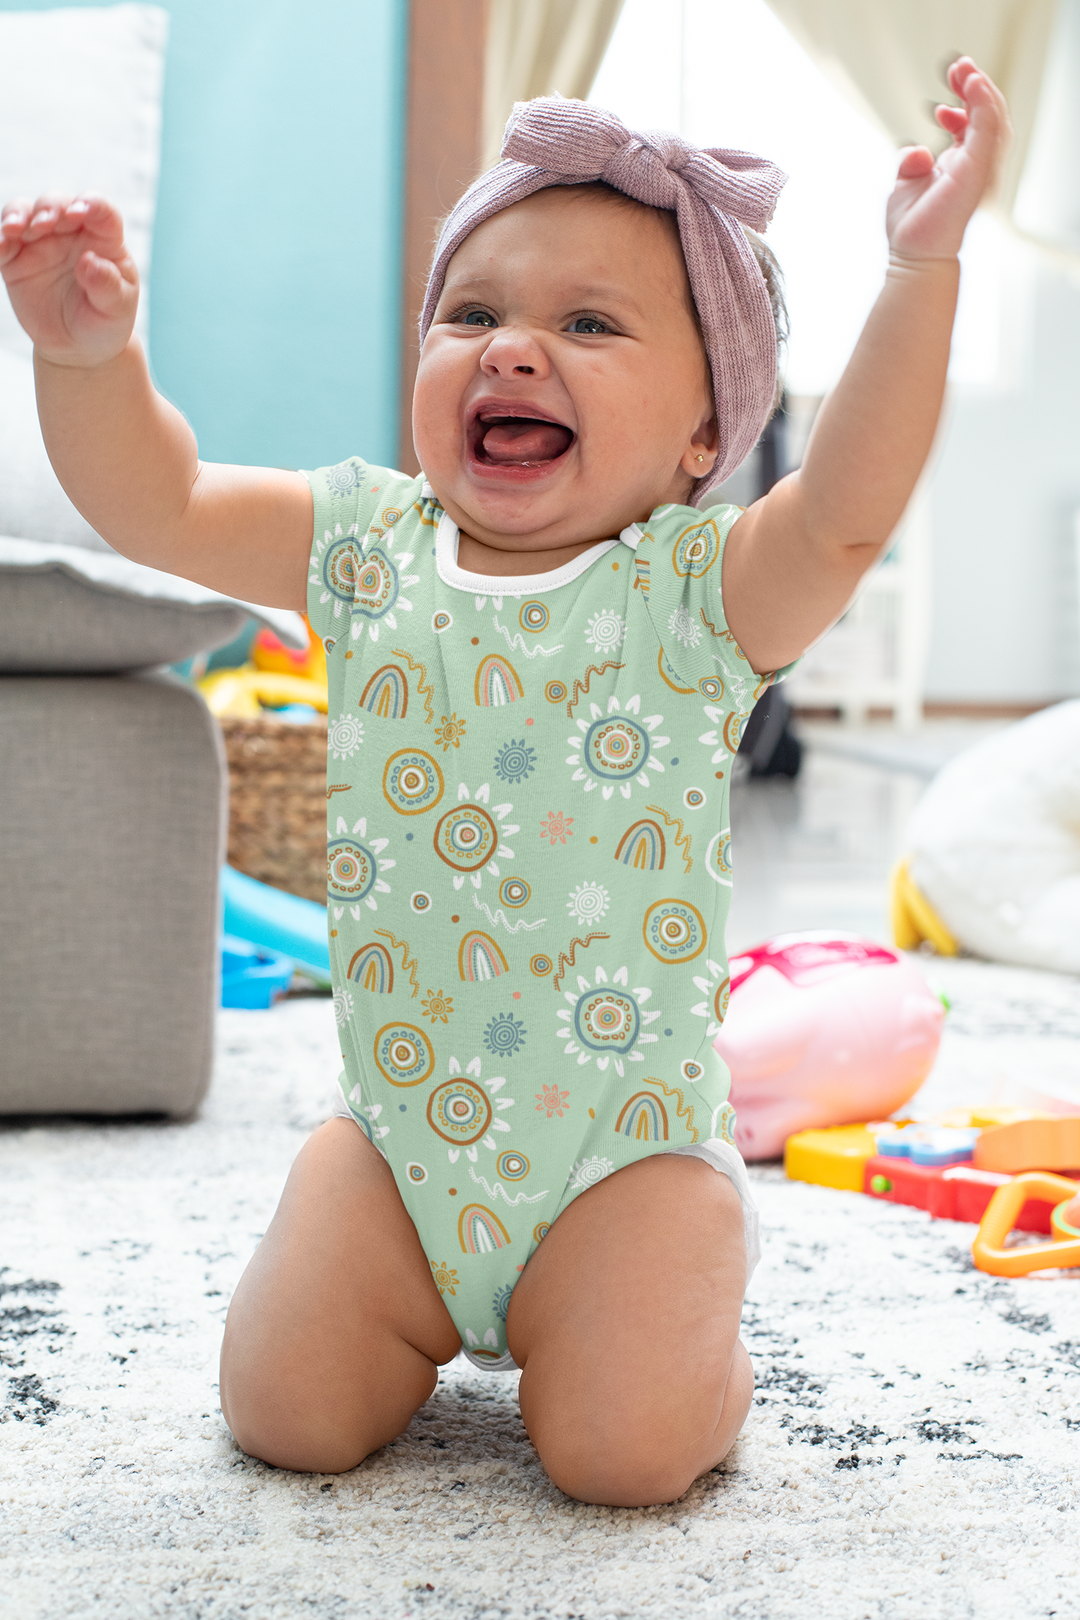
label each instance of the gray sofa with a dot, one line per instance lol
(113, 796)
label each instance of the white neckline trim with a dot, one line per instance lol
(446, 550)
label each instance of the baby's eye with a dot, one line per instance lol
(588, 323)
(478, 317)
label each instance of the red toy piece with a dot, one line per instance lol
(955, 1192)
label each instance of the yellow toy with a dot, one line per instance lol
(914, 919)
(270, 654)
(241, 694)
(988, 1250)
(835, 1157)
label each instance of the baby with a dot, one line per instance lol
(540, 656)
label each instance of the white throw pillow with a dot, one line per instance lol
(80, 110)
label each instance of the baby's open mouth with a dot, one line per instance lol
(519, 441)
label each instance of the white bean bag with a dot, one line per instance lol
(994, 844)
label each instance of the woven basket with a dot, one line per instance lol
(277, 802)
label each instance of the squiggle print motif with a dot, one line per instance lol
(494, 1192)
(423, 686)
(408, 962)
(571, 960)
(683, 840)
(500, 917)
(338, 787)
(581, 687)
(516, 643)
(722, 635)
(683, 1108)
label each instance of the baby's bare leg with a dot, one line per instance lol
(626, 1323)
(336, 1328)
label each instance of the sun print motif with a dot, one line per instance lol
(683, 627)
(715, 985)
(551, 1102)
(354, 869)
(344, 736)
(606, 1021)
(617, 749)
(588, 902)
(606, 631)
(469, 837)
(465, 1111)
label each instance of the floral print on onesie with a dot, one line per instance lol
(528, 864)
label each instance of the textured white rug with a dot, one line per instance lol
(912, 1451)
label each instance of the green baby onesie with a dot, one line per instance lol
(528, 863)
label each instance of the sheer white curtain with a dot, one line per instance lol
(889, 56)
(538, 47)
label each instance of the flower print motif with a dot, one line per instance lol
(345, 736)
(505, 1035)
(514, 761)
(588, 902)
(683, 627)
(500, 1303)
(446, 1280)
(588, 1172)
(730, 725)
(343, 1006)
(450, 732)
(605, 631)
(616, 749)
(342, 480)
(438, 1006)
(465, 1110)
(354, 868)
(715, 985)
(551, 1101)
(470, 838)
(557, 827)
(607, 1021)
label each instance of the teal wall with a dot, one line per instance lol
(274, 287)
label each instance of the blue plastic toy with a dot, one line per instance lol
(277, 923)
(928, 1144)
(251, 977)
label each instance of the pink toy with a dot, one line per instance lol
(823, 1029)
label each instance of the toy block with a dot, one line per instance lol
(1030, 1144)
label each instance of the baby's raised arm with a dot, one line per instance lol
(125, 456)
(794, 558)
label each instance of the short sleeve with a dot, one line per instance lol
(352, 501)
(679, 564)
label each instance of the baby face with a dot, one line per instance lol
(563, 390)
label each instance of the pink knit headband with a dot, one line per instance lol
(557, 142)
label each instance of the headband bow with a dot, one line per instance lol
(712, 192)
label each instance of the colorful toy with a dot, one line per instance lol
(822, 1029)
(243, 693)
(1031, 1144)
(834, 1157)
(270, 654)
(927, 1144)
(1003, 1215)
(277, 923)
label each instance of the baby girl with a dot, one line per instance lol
(540, 656)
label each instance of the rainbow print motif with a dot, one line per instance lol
(387, 693)
(373, 969)
(479, 958)
(480, 1230)
(644, 1119)
(642, 847)
(497, 682)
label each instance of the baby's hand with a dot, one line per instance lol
(72, 282)
(932, 202)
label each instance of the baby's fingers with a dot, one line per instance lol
(44, 215)
(108, 290)
(14, 218)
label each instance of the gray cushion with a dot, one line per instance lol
(68, 609)
(112, 800)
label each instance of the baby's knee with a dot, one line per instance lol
(625, 1474)
(290, 1428)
